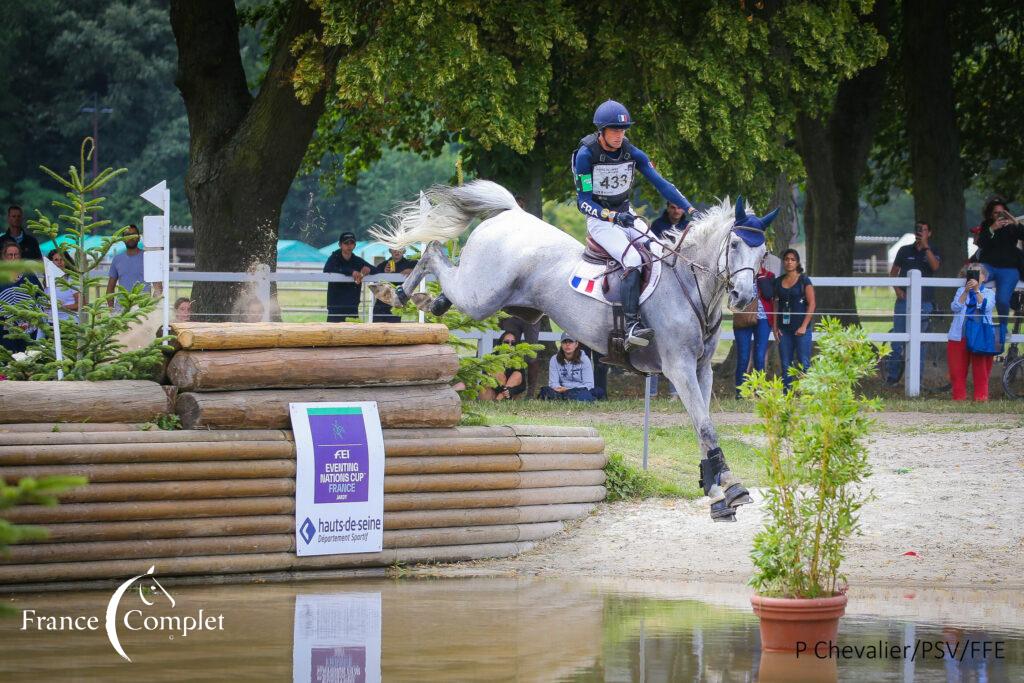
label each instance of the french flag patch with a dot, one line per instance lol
(623, 118)
(582, 285)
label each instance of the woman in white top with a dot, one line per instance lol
(970, 299)
(67, 300)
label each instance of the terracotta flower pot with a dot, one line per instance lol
(787, 622)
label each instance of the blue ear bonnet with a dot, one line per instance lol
(749, 227)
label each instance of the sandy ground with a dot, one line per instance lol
(952, 496)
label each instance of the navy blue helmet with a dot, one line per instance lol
(611, 114)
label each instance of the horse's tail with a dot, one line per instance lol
(443, 213)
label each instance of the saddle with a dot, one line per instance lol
(598, 275)
(596, 254)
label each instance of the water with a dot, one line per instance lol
(493, 629)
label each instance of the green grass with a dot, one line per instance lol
(673, 454)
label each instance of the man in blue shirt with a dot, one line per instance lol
(604, 171)
(917, 256)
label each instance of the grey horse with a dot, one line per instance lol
(517, 262)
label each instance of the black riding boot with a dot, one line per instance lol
(637, 336)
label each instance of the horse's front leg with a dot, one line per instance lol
(724, 490)
(735, 493)
(400, 296)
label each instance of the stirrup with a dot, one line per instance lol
(637, 336)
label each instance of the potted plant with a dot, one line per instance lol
(815, 463)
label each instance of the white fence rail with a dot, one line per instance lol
(913, 337)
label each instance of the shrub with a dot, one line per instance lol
(815, 464)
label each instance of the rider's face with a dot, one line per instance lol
(611, 138)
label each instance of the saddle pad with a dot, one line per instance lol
(586, 279)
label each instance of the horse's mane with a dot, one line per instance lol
(710, 228)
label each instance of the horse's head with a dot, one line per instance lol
(743, 253)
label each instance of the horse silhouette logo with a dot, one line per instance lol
(115, 601)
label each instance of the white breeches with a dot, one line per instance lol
(615, 241)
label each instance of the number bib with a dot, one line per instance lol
(611, 180)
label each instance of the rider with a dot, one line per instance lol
(603, 171)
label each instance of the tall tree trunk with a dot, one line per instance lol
(244, 150)
(931, 125)
(835, 154)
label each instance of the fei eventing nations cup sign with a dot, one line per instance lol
(339, 478)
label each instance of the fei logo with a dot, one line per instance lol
(132, 620)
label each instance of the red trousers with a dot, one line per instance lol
(958, 358)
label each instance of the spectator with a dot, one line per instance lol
(16, 233)
(756, 333)
(68, 302)
(182, 309)
(529, 332)
(997, 249)
(973, 298)
(511, 382)
(11, 292)
(126, 269)
(670, 219)
(571, 374)
(343, 297)
(920, 256)
(794, 309)
(396, 264)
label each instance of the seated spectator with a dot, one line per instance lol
(68, 302)
(757, 329)
(11, 292)
(973, 298)
(570, 374)
(126, 269)
(998, 249)
(343, 297)
(16, 233)
(183, 309)
(511, 382)
(671, 218)
(396, 264)
(794, 311)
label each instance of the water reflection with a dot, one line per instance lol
(506, 629)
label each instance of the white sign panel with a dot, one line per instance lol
(339, 478)
(337, 638)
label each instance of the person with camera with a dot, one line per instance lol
(919, 256)
(998, 250)
(971, 339)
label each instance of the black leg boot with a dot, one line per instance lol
(441, 305)
(637, 336)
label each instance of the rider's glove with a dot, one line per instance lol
(624, 218)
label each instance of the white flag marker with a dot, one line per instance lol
(52, 273)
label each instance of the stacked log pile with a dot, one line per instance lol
(221, 502)
(219, 496)
(243, 376)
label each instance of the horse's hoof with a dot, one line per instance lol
(736, 495)
(721, 512)
(422, 300)
(385, 292)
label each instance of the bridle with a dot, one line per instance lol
(723, 276)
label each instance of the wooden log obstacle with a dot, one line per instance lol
(205, 502)
(219, 496)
